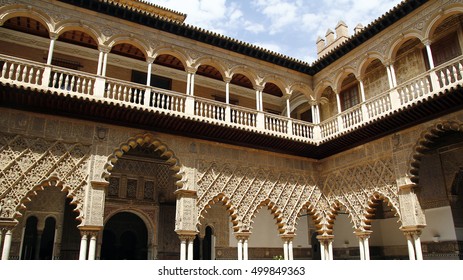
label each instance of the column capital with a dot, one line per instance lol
(187, 236)
(8, 224)
(190, 70)
(243, 235)
(185, 193)
(227, 79)
(258, 87)
(287, 236)
(53, 35)
(325, 237)
(103, 48)
(150, 60)
(426, 42)
(361, 233)
(90, 230)
(412, 230)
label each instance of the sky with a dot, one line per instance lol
(288, 27)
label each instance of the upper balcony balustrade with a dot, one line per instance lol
(66, 82)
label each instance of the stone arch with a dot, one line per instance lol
(177, 53)
(370, 57)
(11, 11)
(321, 87)
(278, 82)
(424, 143)
(52, 181)
(370, 209)
(221, 197)
(276, 212)
(398, 42)
(341, 76)
(64, 26)
(312, 211)
(302, 88)
(140, 140)
(217, 64)
(336, 206)
(129, 39)
(241, 69)
(140, 214)
(441, 16)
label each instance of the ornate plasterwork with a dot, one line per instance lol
(356, 187)
(425, 141)
(244, 189)
(29, 164)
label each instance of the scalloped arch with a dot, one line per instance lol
(232, 211)
(140, 140)
(276, 212)
(424, 142)
(52, 181)
(366, 223)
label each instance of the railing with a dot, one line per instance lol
(33, 74)
(71, 81)
(21, 71)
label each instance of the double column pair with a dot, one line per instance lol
(6, 238)
(88, 242)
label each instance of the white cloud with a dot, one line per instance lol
(292, 26)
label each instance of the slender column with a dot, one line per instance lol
(288, 108)
(245, 250)
(192, 90)
(322, 249)
(290, 250)
(190, 248)
(411, 249)
(227, 91)
(330, 249)
(338, 101)
(258, 101)
(100, 62)
(182, 249)
(285, 249)
(240, 249)
(105, 63)
(389, 77)
(188, 83)
(51, 49)
(83, 246)
(1, 238)
(92, 246)
(393, 77)
(315, 114)
(418, 251)
(427, 43)
(366, 247)
(7, 244)
(148, 72)
(361, 248)
(362, 90)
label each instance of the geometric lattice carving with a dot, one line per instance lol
(244, 189)
(356, 187)
(29, 164)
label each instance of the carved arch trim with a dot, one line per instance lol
(424, 143)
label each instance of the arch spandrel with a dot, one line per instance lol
(31, 164)
(93, 32)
